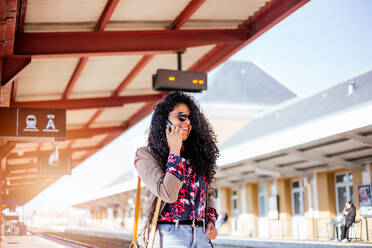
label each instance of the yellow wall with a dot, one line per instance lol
(250, 227)
(326, 204)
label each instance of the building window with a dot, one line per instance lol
(344, 190)
(262, 201)
(297, 198)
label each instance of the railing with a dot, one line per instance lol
(296, 228)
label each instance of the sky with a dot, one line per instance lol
(324, 43)
(321, 44)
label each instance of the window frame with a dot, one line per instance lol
(300, 190)
(262, 194)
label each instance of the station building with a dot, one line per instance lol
(286, 173)
(289, 173)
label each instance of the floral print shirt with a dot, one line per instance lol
(192, 195)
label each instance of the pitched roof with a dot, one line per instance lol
(318, 106)
(245, 83)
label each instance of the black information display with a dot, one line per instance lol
(190, 81)
(33, 122)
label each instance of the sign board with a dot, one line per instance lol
(365, 200)
(48, 166)
(169, 80)
(32, 123)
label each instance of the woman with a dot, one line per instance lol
(349, 218)
(178, 165)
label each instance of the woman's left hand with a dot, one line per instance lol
(211, 230)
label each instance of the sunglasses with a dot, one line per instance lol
(182, 116)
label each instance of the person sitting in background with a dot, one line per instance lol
(349, 218)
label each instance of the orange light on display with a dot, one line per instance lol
(168, 80)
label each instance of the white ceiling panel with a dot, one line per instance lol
(143, 10)
(74, 117)
(102, 75)
(45, 79)
(54, 11)
(237, 9)
(116, 116)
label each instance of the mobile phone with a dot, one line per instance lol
(169, 124)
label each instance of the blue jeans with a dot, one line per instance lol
(183, 236)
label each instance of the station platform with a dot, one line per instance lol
(27, 241)
(232, 242)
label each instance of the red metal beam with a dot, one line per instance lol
(12, 66)
(27, 166)
(263, 20)
(214, 57)
(21, 175)
(106, 15)
(87, 103)
(132, 74)
(100, 26)
(179, 21)
(96, 115)
(117, 42)
(133, 120)
(185, 15)
(5, 150)
(75, 76)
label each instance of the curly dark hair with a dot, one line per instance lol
(200, 146)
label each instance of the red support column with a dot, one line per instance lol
(2, 185)
(1, 202)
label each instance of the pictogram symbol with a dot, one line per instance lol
(31, 124)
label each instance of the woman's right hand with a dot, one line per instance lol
(174, 139)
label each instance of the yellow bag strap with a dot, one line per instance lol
(154, 223)
(137, 210)
(154, 219)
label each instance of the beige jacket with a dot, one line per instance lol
(161, 184)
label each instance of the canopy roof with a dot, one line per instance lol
(96, 58)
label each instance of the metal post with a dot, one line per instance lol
(367, 228)
(179, 60)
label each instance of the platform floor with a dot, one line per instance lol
(27, 242)
(232, 242)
